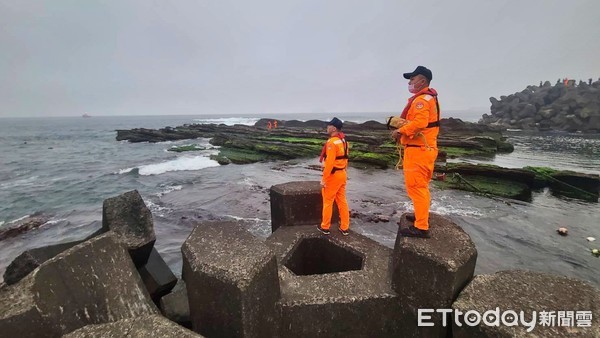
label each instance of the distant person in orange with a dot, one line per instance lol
(566, 81)
(423, 115)
(333, 181)
(275, 124)
(269, 125)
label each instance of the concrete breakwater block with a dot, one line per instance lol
(334, 286)
(175, 306)
(128, 216)
(91, 283)
(157, 276)
(571, 307)
(429, 273)
(231, 280)
(298, 203)
(147, 326)
(28, 260)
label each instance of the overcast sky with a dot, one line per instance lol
(147, 57)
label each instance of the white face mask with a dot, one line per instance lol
(413, 87)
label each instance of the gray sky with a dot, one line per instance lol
(67, 57)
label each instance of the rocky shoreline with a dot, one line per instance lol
(371, 147)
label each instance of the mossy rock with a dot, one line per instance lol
(542, 176)
(455, 152)
(238, 156)
(187, 147)
(486, 186)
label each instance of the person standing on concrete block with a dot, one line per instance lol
(333, 182)
(423, 115)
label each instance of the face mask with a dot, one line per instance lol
(413, 88)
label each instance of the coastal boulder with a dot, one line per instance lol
(429, 273)
(94, 282)
(231, 280)
(568, 306)
(128, 216)
(147, 326)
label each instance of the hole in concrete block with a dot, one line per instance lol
(314, 256)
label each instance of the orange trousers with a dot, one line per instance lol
(418, 165)
(335, 190)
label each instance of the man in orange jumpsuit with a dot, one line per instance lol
(333, 182)
(419, 139)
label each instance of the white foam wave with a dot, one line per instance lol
(169, 189)
(1, 223)
(444, 208)
(19, 219)
(54, 221)
(124, 171)
(157, 209)
(179, 164)
(230, 121)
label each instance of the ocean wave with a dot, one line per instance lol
(169, 189)
(444, 208)
(18, 219)
(230, 121)
(54, 221)
(124, 171)
(179, 164)
(156, 209)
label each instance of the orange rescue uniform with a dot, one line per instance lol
(334, 176)
(420, 153)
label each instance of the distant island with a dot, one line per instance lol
(86, 115)
(565, 106)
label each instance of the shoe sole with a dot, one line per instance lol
(324, 232)
(344, 233)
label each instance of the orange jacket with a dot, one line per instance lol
(334, 151)
(422, 111)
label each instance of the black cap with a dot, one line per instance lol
(420, 71)
(337, 123)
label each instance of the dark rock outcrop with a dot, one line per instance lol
(128, 216)
(23, 226)
(371, 143)
(560, 107)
